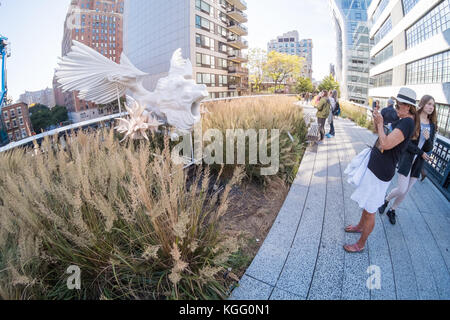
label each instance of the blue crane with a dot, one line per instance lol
(4, 53)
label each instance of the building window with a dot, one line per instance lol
(408, 5)
(433, 69)
(206, 79)
(379, 10)
(443, 113)
(384, 54)
(205, 60)
(204, 42)
(434, 22)
(204, 7)
(383, 79)
(5, 115)
(383, 31)
(24, 133)
(203, 23)
(12, 113)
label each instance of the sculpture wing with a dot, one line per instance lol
(97, 78)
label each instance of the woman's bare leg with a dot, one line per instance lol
(368, 220)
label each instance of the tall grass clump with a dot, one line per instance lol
(356, 114)
(262, 113)
(128, 217)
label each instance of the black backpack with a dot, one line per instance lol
(337, 109)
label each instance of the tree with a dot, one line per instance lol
(42, 117)
(256, 59)
(329, 83)
(280, 66)
(59, 114)
(304, 85)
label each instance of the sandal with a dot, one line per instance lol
(353, 248)
(352, 229)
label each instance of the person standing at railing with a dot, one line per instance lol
(413, 159)
(323, 111)
(373, 169)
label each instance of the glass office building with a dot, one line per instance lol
(353, 47)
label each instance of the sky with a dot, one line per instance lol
(35, 30)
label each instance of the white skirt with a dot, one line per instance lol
(370, 191)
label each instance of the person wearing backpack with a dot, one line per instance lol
(323, 112)
(334, 105)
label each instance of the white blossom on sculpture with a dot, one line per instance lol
(138, 123)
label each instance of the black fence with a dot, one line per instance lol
(438, 169)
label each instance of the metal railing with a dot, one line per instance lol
(101, 122)
(438, 169)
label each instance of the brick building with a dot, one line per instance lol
(17, 121)
(99, 25)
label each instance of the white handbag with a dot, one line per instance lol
(357, 167)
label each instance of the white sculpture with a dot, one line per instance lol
(176, 100)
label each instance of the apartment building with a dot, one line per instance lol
(99, 25)
(411, 47)
(45, 97)
(209, 32)
(290, 43)
(17, 121)
(353, 48)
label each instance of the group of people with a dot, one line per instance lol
(406, 133)
(327, 105)
(405, 137)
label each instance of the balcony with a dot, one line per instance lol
(238, 71)
(240, 4)
(239, 86)
(237, 15)
(238, 43)
(237, 56)
(237, 28)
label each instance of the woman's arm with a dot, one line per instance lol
(413, 148)
(392, 140)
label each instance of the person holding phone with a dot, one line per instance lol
(413, 159)
(380, 170)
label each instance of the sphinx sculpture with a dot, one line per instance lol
(175, 101)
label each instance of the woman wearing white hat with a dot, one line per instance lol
(413, 159)
(381, 163)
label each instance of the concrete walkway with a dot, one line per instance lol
(302, 256)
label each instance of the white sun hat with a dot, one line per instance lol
(408, 96)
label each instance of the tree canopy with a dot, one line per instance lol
(280, 66)
(304, 85)
(329, 83)
(257, 58)
(42, 117)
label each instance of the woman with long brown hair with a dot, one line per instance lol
(374, 173)
(413, 159)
